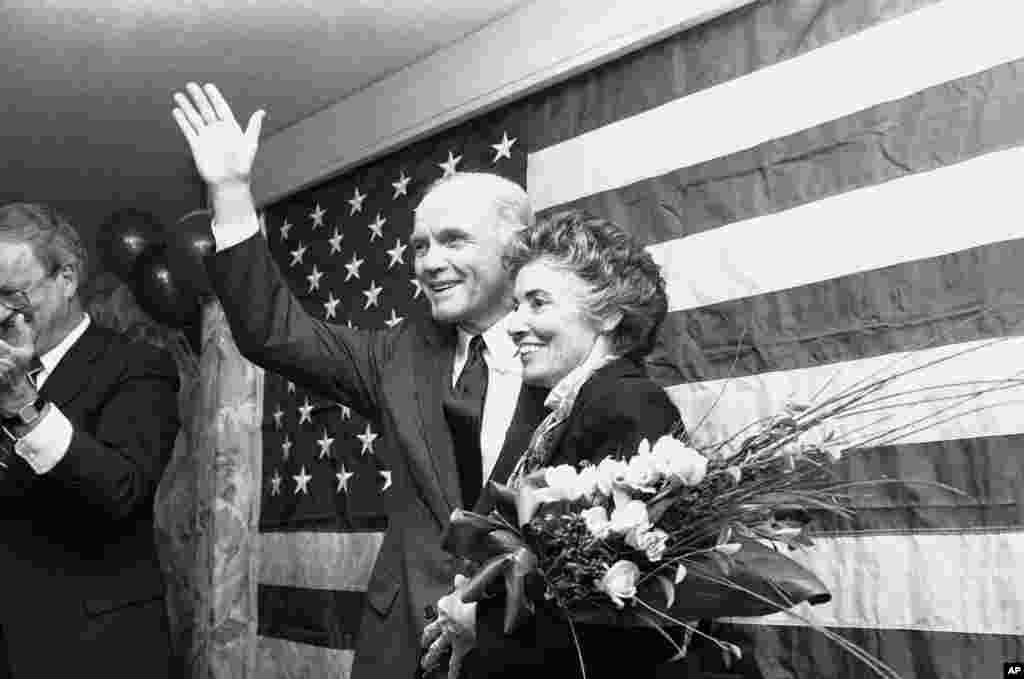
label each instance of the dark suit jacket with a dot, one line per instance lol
(81, 589)
(396, 378)
(614, 410)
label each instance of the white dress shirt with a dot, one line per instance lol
(504, 370)
(48, 442)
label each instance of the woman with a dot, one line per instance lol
(589, 301)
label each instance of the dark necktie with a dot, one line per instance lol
(464, 408)
(34, 368)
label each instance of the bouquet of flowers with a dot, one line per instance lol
(678, 531)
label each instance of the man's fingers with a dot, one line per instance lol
(202, 103)
(435, 652)
(185, 126)
(219, 104)
(191, 115)
(454, 665)
(252, 130)
(430, 633)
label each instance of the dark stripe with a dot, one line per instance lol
(969, 295)
(987, 469)
(308, 616)
(934, 128)
(777, 652)
(724, 49)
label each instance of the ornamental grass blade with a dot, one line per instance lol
(477, 587)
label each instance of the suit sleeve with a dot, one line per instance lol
(274, 331)
(119, 451)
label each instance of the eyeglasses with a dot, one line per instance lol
(18, 300)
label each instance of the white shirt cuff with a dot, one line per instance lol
(47, 443)
(233, 233)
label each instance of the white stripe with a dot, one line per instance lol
(886, 62)
(968, 583)
(328, 561)
(954, 208)
(281, 658)
(745, 400)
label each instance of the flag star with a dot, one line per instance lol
(372, 293)
(317, 215)
(417, 287)
(346, 412)
(286, 448)
(335, 241)
(304, 412)
(401, 186)
(396, 253)
(325, 445)
(449, 165)
(314, 279)
(330, 306)
(291, 387)
(356, 202)
(278, 417)
(387, 479)
(275, 483)
(367, 437)
(297, 254)
(394, 320)
(377, 227)
(353, 267)
(302, 481)
(343, 476)
(285, 228)
(503, 149)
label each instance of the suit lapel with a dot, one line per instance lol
(66, 380)
(431, 370)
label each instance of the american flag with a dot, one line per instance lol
(830, 186)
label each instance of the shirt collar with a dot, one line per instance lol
(499, 351)
(52, 357)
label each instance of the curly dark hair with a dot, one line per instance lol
(622, 276)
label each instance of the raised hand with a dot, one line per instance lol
(222, 151)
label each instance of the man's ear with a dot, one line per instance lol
(69, 279)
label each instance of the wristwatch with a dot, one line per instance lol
(26, 416)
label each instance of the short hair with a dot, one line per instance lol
(54, 241)
(511, 203)
(622, 276)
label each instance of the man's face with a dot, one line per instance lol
(42, 297)
(458, 244)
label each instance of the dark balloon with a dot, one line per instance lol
(160, 291)
(189, 242)
(123, 237)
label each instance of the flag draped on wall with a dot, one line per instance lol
(828, 184)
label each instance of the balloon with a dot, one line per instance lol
(189, 243)
(161, 292)
(123, 237)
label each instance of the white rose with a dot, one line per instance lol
(610, 472)
(587, 482)
(562, 482)
(596, 519)
(672, 457)
(651, 542)
(642, 473)
(619, 582)
(631, 516)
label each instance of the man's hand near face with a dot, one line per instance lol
(17, 348)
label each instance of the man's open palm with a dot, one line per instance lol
(222, 151)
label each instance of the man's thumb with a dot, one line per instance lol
(252, 130)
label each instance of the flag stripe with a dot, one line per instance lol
(790, 652)
(320, 560)
(748, 399)
(986, 469)
(973, 581)
(316, 617)
(968, 295)
(730, 262)
(829, 82)
(283, 658)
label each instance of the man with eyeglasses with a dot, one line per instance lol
(88, 420)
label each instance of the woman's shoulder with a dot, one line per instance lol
(622, 380)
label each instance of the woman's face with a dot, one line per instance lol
(549, 324)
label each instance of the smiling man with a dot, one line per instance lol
(88, 421)
(445, 395)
